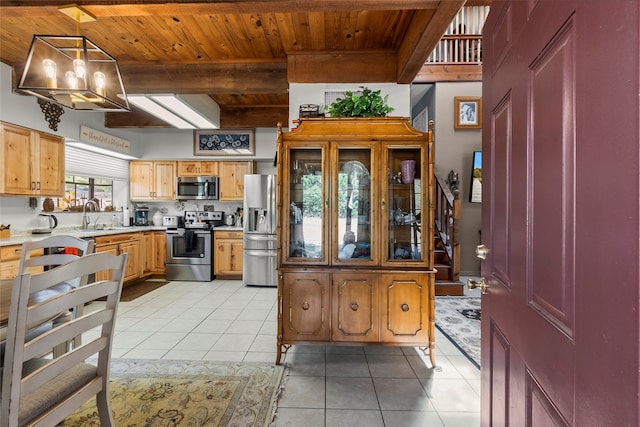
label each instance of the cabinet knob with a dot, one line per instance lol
(404, 307)
(305, 305)
(354, 306)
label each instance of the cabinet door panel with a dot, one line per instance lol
(159, 257)
(306, 205)
(354, 204)
(109, 248)
(354, 308)
(405, 305)
(305, 301)
(405, 223)
(140, 180)
(165, 180)
(17, 165)
(50, 154)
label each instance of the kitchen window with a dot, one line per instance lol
(80, 189)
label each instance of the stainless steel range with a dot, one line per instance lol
(190, 248)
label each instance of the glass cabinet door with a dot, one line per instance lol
(304, 181)
(404, 192)
(352, 207)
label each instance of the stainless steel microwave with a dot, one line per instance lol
(197, 188)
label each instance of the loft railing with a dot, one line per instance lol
(462, 42)
(446, 217)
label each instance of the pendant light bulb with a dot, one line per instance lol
(72, 80)
(101, 82)
(50, 73)
(79, 68)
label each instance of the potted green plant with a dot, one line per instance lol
(368, 104)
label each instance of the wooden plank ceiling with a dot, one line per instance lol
(242, 53)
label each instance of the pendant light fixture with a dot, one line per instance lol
(73, 71)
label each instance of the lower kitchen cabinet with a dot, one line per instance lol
(159, 257)
(338, 306)
(10, 261)
(227, 256)
(154, 252)
(118, 244)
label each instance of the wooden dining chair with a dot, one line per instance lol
(57, 250)
(43, 391)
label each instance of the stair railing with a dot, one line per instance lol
(446, 217)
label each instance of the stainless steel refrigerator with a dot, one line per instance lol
(259, 257)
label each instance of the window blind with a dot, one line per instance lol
(86, 163)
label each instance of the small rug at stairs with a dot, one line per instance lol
(459, 319)
(187, 393)
(135, 290)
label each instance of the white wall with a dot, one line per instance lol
(453, 151)
(313, 93)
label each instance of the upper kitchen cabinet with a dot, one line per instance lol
(232, 179)
(32, 162)
(152, 180)
(195, 168)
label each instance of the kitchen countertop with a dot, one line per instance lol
(19, 237)
(228, 228)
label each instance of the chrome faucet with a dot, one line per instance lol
(85, 217)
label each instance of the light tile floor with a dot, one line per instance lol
(331, 386)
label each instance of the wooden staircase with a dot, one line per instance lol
(447, 247)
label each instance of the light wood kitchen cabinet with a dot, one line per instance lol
(154, 250)
(158, 265)
(118, 244)
(152, 180)
(32, 162)
(10, 261)
(195, 168)
(355, 250)
(232, 179)
(227, 259)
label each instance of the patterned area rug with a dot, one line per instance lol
(187, 393)
(459, 319)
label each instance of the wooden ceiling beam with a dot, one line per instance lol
(241, 117)
(106, 8)
(227, 78)
(449, 73)
(341, 67)
(418, 42)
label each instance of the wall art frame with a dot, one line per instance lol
(467, 112)
(224, 142)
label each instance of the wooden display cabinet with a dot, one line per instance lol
(355, 252)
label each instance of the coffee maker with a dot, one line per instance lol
(141, 216)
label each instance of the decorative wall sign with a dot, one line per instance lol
(468, 112)
(219, 142)
(104, 140)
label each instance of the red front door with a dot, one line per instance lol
(560, 214)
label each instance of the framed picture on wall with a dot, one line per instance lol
(219, 142)
(467, 112)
